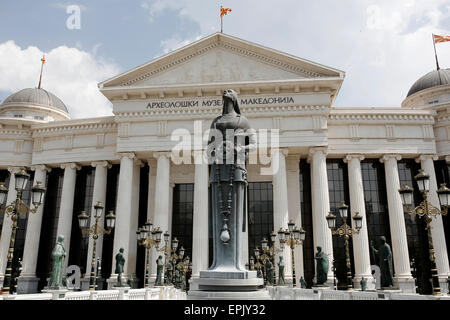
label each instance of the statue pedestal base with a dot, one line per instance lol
(57, 293)
(227, 285)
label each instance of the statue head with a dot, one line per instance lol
(281, 258)
(121, 250)
(383, 239)
(60, 238)
(230, 94)
(160, 257)
(319, 249)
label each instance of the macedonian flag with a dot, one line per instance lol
(438, 39)
(224, 11)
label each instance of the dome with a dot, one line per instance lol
(432, 79)
(35, 96)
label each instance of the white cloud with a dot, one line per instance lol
(69, 73)
(384, 46)
(176, 42)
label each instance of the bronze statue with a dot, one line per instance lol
(230, 141)
(269, 272)
(169, 272)
(58, 257)
(302, 283)
(281, 281)
(120, 262)
(322, 266)
(384, 262)
(363, 284)
(159, 271)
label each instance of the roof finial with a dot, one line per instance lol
(42, 67)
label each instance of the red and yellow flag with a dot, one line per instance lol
(43, 59)
(224, 11)
(438, 39)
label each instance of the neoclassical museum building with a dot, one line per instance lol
(326, 155)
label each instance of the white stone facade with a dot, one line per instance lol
(182, 90)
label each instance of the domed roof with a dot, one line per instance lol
(36, 96)
(431, 79)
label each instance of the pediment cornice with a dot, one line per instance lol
(304, 68)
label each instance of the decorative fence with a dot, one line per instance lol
(276, 293)
(285, 293)
(163, 293)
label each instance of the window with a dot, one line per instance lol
(338, 191)
(38, 118)
(182, 215)
(306, 212)
(375, 203)
(442, 169)
(415, 229)
(49, 228)
(79, 242)
(260, 214)
(112, 186)
(18, 116)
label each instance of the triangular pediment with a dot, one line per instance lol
(220, 58)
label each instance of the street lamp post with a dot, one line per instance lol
(292, 237)
(346, 231)
(428, 211)
(16, 208)
(148, 238)
(95, 231)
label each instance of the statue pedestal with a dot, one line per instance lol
(227, 285)
(57, 293)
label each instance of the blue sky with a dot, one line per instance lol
(383, 46)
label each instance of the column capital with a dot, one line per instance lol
(13, 170)
(159, 154)
(447, 159)
(40, 167)
(315, 150)
(424, 157)
(71, 165)
(101, 164)
(284, 151)
(387, 157)
(349, 157)
(129, 155)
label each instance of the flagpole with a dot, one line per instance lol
(221, 20)
(40, 77)
(435, 54)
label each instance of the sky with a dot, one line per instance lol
(383, 46)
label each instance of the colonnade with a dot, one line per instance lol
(286, 206)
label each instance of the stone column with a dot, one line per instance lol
(133, 223)
(280, 209)
(200, 239)
(123, 214)
(66, 208)
(162, 194)
(361, 248)
(321, 205)
(7, 223)
(99, 194)
(171, 186)
(151, 213)
(293, 187)
(397, 226)
(437, 226)
(28, 282)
